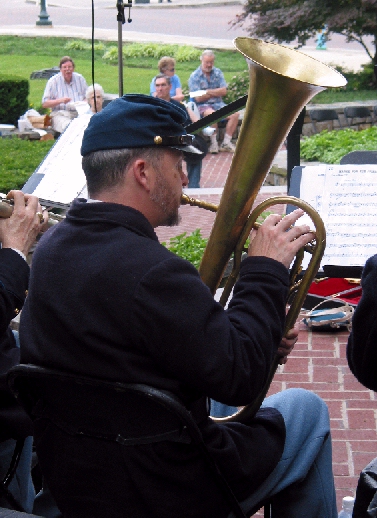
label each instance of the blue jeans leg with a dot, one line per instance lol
(221, 410)
(302, 484)
(194, 170)
(44, 504)
(21, 485)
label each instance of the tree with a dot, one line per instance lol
(285, 21)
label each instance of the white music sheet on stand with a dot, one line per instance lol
(63, 178)
(346, 199)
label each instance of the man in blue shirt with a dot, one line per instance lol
(211, 79)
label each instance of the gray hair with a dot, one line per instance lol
(105, 169)
(162, 76)
(207, 52)
(95, 87)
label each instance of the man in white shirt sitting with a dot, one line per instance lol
(61, 92)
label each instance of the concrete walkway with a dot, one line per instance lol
(348, 56)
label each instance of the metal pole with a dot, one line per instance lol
(293, 145)
(121, 20)
(43, 15)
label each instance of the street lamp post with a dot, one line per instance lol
(43, 15)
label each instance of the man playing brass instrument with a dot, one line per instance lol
(124, 308)
(17, 235)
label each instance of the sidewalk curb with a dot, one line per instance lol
(154, 4)
(64, 31)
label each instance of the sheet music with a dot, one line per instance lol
(62, 177)
(312, 186)
(346, 199)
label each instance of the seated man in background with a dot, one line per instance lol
(193, 162)
(211, 79)
(61, 92)
(17, 235)
(132, 311)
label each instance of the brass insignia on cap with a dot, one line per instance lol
(158, 140)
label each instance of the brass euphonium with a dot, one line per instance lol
(282, 81)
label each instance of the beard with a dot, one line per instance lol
(163, 198)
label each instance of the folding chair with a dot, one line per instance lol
(322, 116)
(36, 387)
(359, 157)
(356, 112)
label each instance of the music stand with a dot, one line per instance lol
(121, 20)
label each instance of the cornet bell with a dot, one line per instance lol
(282, 81)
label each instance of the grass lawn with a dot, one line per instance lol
(22, 56)
(19, 160)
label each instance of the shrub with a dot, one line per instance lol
(362, 80)
(187, 53)
(83, 45)
(329, 146)
(192, 247)
(111, 55)
(189, 247)
(238, 86)
(14, 93)
(152, 50)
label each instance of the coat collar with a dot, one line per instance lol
(110, 213)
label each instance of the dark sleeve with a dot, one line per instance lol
(14, 277)
(362, 342)
(225, 354)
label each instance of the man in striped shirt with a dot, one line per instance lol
(61, 92)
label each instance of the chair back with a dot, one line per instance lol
(110, 411)
(323, 115)
(356, 112)
(359, 157)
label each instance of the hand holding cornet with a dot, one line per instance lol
(287, 344)
(278, 238)
(24, 222)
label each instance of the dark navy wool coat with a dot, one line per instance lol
(362, 342)
(107, 300)
(14, 278)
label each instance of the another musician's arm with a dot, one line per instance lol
(20, 230)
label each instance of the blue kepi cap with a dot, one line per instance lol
(136, 120)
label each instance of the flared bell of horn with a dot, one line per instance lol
(282, 82)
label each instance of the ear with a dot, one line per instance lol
(143, 173)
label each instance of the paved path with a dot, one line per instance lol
(188, 22)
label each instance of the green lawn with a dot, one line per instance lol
(22, 56)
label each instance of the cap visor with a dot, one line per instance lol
(188, 149)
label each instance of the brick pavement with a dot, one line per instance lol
(318, 362)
